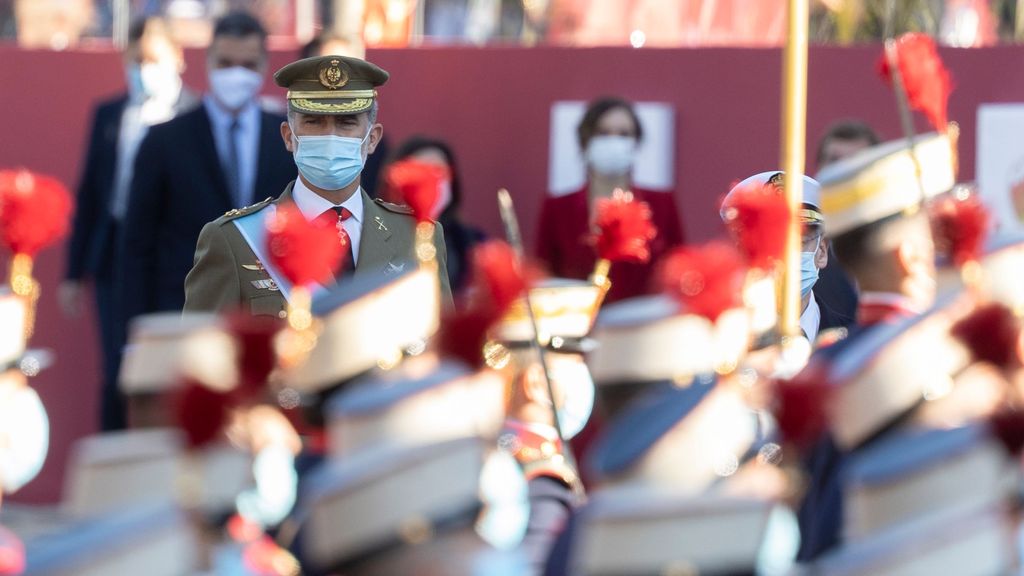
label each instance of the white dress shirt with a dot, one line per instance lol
(810, 319)
(248, 142)
(139, 114)
(312, 205)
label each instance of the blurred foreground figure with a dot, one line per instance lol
(928, 413)
(882, 236)
(153, 66)
(686, 468)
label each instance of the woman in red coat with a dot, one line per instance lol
(608, 135)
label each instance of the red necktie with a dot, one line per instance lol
(348, 264)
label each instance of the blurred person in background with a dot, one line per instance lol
(843, 139)
(459, 237)
(153, 67)
(224, 155)
(326, 44)
(608, 136)
(834, 289)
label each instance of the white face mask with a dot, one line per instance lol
(444, 197)
(160, 80)
(234, 87)
(611, 155)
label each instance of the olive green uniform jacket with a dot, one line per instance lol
(226, 274)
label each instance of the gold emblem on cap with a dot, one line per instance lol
(332, 76)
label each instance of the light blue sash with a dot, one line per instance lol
(253, 228)
(254, 231)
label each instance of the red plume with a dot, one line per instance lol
(801, 405)
(707, 280)
(418, 184)
(624, 229)
(256, 355)
(305, 252)
(499, 279)
(959, 225)
(1007, 425)
(464, 334)
(991, 332)
(499, 274)
(925, 78)
(758, 215)
(35, 211)
(201, 413)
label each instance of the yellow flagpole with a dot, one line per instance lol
(794, 128)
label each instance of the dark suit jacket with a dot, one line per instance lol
(835, 292)
(178, 187)
(93, 241)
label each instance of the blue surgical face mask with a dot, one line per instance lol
(330, 162)
(808, 270)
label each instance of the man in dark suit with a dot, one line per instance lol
(224, 155)
(153, 63)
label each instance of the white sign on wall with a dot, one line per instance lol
(1000, 162)
(655, 165)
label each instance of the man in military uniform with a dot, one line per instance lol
(331, 129)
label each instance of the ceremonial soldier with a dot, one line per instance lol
(683, 448)
(927, 415)
(331, 128)
(564, 312)
(873, 208)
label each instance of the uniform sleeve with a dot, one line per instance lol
(550, 509)
(447, 301)
(213, 283)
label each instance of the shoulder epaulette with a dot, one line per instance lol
(396, 208)
(236, 212)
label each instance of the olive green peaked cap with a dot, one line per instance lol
(331, 84)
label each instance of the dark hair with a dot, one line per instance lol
(847, 129)
(415, 144)
(314, 46)
(861, 248)
(239, 24)
(139, 26)
(597, 109)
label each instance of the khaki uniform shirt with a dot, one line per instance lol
(226, 274)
